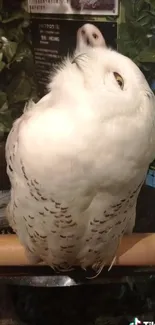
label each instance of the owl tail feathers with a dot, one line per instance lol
(98, 267)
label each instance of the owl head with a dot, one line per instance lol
(109, 89)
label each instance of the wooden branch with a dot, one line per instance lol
(135, 250)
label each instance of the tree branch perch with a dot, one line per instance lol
(134, 250)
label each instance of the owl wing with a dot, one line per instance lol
(43, 223)
(61, 225)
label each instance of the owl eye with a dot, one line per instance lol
(119, 80)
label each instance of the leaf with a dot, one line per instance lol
(9, 49)
(138, 5)
(129, 8)
(3, 99)
(146, 56)
(16, 109)
(144, 19)
(23, 52)
(17, 84)
(2, 65)
(19, 89)
(15, 34)
(134, 40)
(5, 121)
(14, 15)
(146, 68)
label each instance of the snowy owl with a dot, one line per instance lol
(78, 158)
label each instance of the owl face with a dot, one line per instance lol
(114, 79)
(107, 100)
(120, 98)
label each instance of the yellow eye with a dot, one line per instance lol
(119, 80)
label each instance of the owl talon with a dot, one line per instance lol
(112, 263)
(62, 268)
(98, 267)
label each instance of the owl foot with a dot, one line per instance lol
(63, 268)
(98, 268)
(115, 256)
(112, 263)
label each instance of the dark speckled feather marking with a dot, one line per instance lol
(52, 222)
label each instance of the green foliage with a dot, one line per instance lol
(137, 34)
(17, 80)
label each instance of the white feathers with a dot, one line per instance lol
(89, 35)
(78, 158)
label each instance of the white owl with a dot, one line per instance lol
(78, 158)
